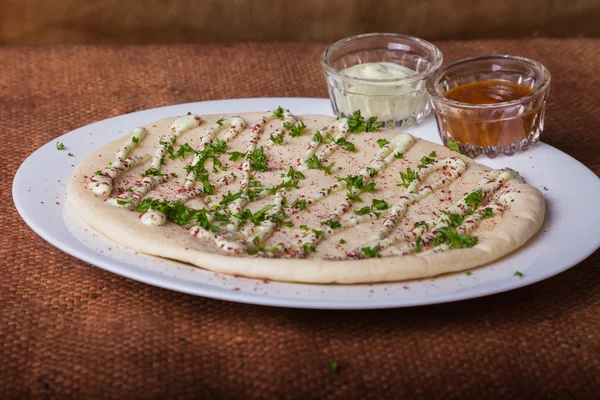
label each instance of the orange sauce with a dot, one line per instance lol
(485, 127)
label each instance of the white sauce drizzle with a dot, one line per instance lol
(488, 185)
(232, 239)
(103, 184)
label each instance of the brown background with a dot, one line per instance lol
(70, 330)
(208, 21)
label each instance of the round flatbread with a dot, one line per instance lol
(302, 199)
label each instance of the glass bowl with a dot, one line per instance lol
(397, 101)
(505, 127)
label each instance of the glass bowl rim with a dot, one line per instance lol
(543, 72)
(434, 51)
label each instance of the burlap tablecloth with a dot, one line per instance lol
(70, 330)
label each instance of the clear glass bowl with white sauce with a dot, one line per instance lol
(381, 74)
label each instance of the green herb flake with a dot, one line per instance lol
(236, 155)
(295, 130)
(487, 213)
(371, 252)
(418, 244)
(468, 273)
(408, 177)
(60, 146)
(152, 172)
(398, 156)
(519, 274)
(333, 366)
(277, 139)
(363, 211)
(300, 204)
(357, 124)
(421, 224)
(332, 224)
(70, 155)
(545, 188)
(380, 205)
(220, 122)
(475, 198)
(123, 202)
(135, 139)
(452, 145)
(342, 241)
(346, 145)
(382, 142)
(455, 240)
(426, 160)
(258, 160)
(279, 113)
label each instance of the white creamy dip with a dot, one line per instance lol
(380, 89)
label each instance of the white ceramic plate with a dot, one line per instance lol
(570, 233)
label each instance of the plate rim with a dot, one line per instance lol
(147, 277)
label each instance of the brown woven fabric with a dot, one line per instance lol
(70, 330)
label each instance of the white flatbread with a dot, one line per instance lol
(520, 218)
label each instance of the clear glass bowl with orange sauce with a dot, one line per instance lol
(490, 105)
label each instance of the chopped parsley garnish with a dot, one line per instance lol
(308, 248)
(295, 130)
(258, 217)
(317, 232)
(70, 155)
(262, 249)
(332, 224)
(314, 163)
(487, 213)
(408, 177)
(371, 252)
(468, 273)
(545, 188)
(342, 241)
(398, 156)
(454, 239)
(519, 274)
(181, 152)
(422, 224)
(152, 172)
(209, 152)
(357, 124)
(363, 211)
(418, 244)
(318, 138)
(342, 142)
(258, 160)
(60, 146)
(382, 142)
(123, 202)
(380, 205)
(135, 139)
(475, 199)
(99, 173)
(236, 155)
(178, 213)
(333, 366)
(454, 220)
(353, 197)
(452, 145)
(300, 204)
(426, 160)
(220, 122)
(372, 171)
(277, 139)
(278, 113)
(304, 227)
(290, 180)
